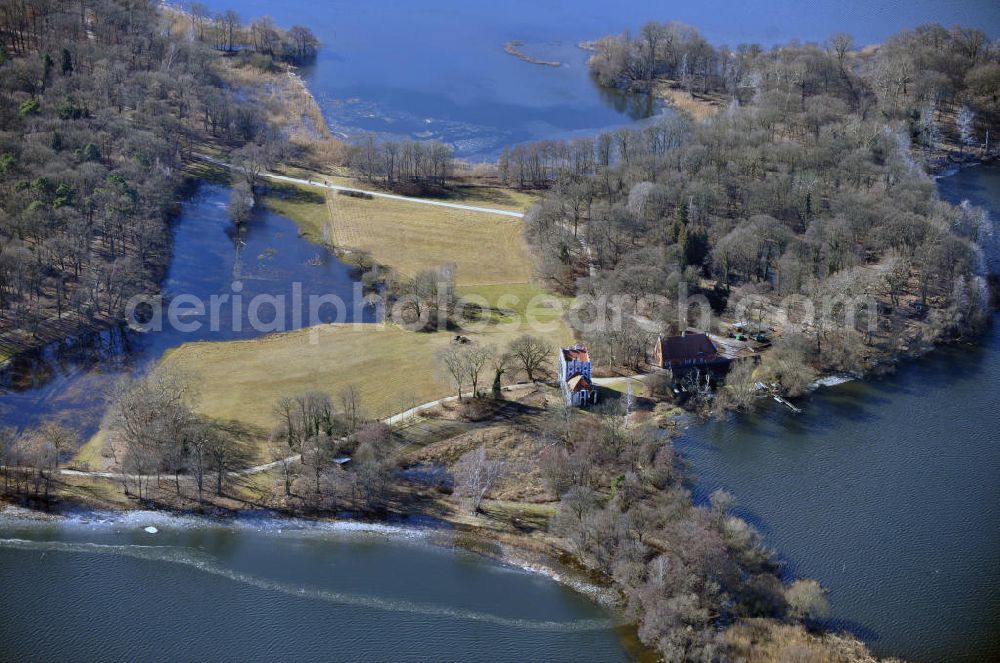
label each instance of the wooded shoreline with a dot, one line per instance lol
(645, 209)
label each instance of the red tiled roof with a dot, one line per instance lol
(579, 353)
(579, 383)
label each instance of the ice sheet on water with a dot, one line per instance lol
(263, 522)
(833, 380)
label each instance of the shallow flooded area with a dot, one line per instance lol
(267, 260)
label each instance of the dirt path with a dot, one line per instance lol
(375, 194)
(256, 469)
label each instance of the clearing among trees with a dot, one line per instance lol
(484, 248)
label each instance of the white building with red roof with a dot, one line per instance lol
(576, 376)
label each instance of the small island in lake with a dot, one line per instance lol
(513, 47)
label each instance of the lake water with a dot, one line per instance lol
(437, 68)
(68, 381)
(886, 491)
(87, 591)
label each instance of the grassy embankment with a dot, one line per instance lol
(392, 368)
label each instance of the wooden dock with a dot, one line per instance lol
(784, 401)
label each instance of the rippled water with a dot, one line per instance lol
(887, 491)
(277, 590)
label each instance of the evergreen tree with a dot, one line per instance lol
(46, 69)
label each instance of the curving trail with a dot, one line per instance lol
(391, 420)
(375, 194)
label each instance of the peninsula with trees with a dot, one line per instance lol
(793, 173)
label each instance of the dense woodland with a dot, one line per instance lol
(809, 182)
(910, 77)
(100, 108)
(687, 572)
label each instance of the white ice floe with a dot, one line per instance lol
(262, 522)
(833, 380)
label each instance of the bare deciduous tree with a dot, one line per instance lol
(532, 353)
(149, 417)
(61, 438)
(500, 363)
(841, 44)
(350, 407)
(241, 202)
(476, 474)
(476, 359)
(281, 453)
(807, 600)
(965, 123)
(740, 392)
(374, 463)
(253, 159)
(317, 454)
(228, 446)
(304, 416)
(451, 360)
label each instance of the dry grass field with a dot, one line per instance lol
(485, 248)
(304, 205)
(241, 380)
(392, 368)
(767, 641)
(699, 107)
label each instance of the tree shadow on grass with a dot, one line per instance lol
(295, 194)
